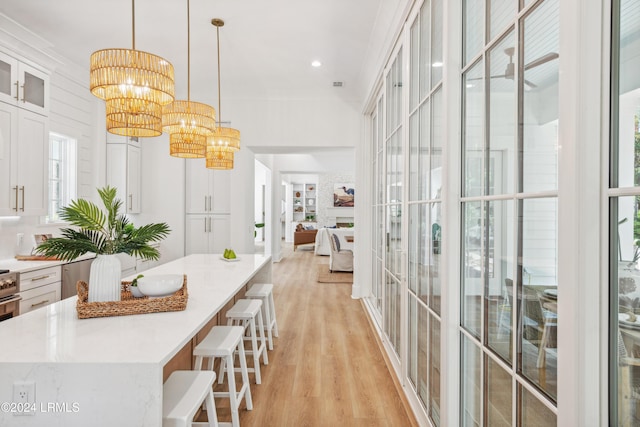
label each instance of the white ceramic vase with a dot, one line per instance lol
(105, 279)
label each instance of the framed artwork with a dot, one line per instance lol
(343, 195)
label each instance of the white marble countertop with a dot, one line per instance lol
(55, 334)
(13, 264)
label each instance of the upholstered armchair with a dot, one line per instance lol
(340, 260)
(303, 237)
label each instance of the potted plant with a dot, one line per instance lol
(105, 233)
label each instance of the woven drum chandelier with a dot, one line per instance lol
(188, 123)
(135, 86)
(224, 141)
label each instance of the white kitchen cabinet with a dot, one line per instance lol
(207, 191)
(23, 85)
(39, 288)
(24, 166)
(207, 234)
(123, 170)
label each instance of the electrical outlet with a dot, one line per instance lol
(24, 396)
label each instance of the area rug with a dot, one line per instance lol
(325, 276)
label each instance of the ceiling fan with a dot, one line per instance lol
(510, 71)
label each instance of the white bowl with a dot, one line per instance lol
(161, 285)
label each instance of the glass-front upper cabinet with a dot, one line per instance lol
(23, 85)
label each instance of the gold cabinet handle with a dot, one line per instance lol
(17, 83)
(205, 205)
(23, 92)
(39, 303)
(40, 278)
(16, 208)
(22, 189)
(130, 201)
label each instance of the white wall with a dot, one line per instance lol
(242, 202)
(295, 122)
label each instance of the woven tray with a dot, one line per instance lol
(129, 304)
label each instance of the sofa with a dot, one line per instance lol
(303, 237)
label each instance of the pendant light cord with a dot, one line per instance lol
(133, 24)
(188, 53)
(219, 108)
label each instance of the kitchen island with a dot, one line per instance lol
(109, 371)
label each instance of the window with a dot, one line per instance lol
(62, 174)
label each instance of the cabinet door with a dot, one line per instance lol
(39, 297)
(221, 191)
(8, 79)
(33, 163)
(133, 179)
(197, 234)
(34, 89)
(8, 143)
(198, 197)
(116, 170)
(219, 235)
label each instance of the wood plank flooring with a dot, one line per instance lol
(326, 368)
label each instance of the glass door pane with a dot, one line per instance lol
(470, 407)
(539, 121)
(499, 296)
(533, 412)
(501, 14)
(502, 116)
(473, 41)
(473, 138)
(538, 293)
(472, 267)
(434, 369)
(498, 395)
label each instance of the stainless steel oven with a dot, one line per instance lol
(9, 298)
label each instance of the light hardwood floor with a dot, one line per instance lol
(326, 368)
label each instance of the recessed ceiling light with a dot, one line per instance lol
(316, 64)
(437, 64)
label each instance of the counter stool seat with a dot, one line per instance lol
(245, 312)
(183, 393)
(264, 292)
(222, 342)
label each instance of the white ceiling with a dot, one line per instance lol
(266, 47)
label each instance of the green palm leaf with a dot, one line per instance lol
(102, 232)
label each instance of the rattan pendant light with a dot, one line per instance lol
(188, 123)
(224, 141)
(135, 86)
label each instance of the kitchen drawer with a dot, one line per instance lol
(36, 278)
(39, 297)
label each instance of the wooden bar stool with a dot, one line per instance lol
(222, 342)
(183, 393)
(245, 312)
(264, 292)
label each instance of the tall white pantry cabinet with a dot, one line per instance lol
(208, 209)
(123, 170)
(24, 137)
